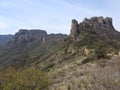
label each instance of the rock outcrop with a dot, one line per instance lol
(102, 23)
(74, 28)
(25, 36)
(99, 25)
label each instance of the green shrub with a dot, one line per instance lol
(101, 49)
(91, 57)
(88, 59)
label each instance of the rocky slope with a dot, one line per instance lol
(86, 36)
(68, 72)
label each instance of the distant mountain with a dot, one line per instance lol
(27, 45)
(5, 38)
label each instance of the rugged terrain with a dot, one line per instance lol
(28, 46)
(73, 62)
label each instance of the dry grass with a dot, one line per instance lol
(104, 79)
(90, 76)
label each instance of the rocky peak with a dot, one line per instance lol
(108, 21)
(24, 35)
(100, 21)
(97, 19)
(96, 24)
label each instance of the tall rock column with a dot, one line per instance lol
(74, 29)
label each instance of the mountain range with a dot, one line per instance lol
(89, 41)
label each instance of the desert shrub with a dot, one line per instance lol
(88, 59)
(69, 87)
(111, 50)
(27, 79)
(91, 57)
(101, 49)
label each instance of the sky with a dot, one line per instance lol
(54, 16)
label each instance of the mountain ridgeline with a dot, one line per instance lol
(37, 48)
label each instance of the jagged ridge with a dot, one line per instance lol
(101, 26)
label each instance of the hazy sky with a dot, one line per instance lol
(54, 16)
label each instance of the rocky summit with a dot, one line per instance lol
(99, 25)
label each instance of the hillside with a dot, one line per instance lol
(85, 41)
(70, 60)
(5, 38)
(27, 46)
(83, 62)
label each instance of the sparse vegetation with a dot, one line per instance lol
(27, 79)
(88, 59)
(101, 49)
(104, 79)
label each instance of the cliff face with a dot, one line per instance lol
(74, 29)
(97, 23)
(101, 26)
(25, 36)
